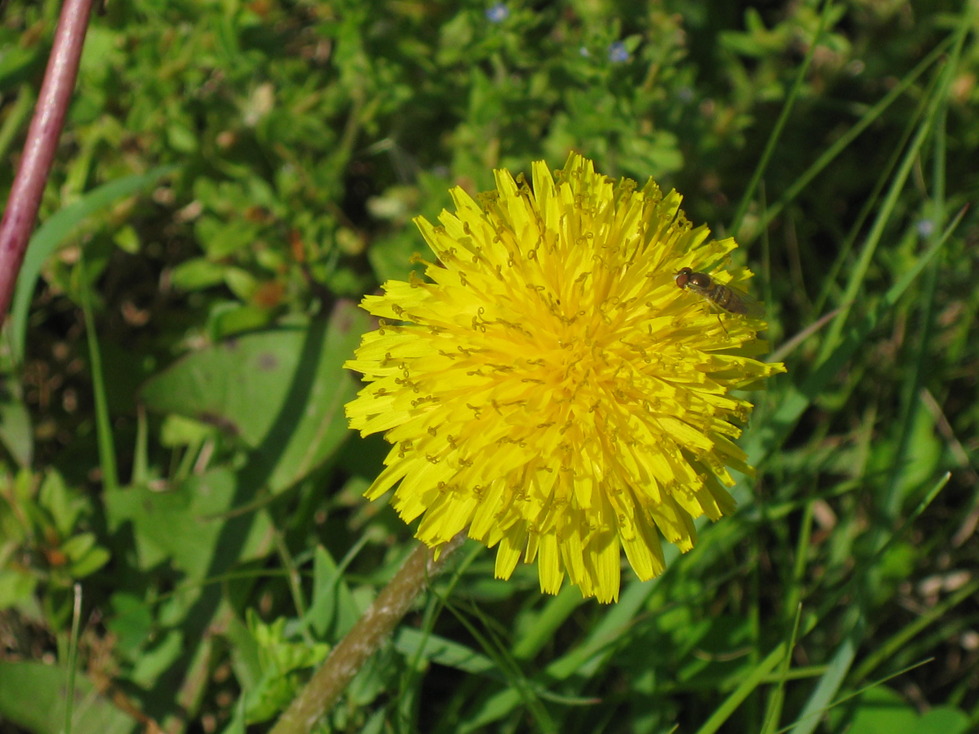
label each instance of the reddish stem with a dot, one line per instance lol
(42, 141)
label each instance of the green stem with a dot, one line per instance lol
(366, 636)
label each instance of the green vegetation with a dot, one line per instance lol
(234, 176)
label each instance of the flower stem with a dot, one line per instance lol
(42, 141)
(366, 636)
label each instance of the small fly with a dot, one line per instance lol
(725, 297)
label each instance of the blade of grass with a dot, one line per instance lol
(858, 273)
(15, 116)
(103, 423)
(872, 200)
(141, 463)
(72, 663)
(744, 689)
(777, 700)
(826, 691)
(760, 442)
(519, 686)
(909, 632)
(835, 673)
(783, 118)
(540, 631)
(293, 581)
(818, 715)
(829, 683)
(787, 347)
(58, 227)
(910, 404)
(585, 659)
(845, 140)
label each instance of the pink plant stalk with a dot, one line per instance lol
(42, 141)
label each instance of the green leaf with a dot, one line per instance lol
(185, 526)
(16, 586)
(230, 319)
(32, 696)
(280, 656)
(196, 274)
(62, 504)
(16, 432)
(281, 391)
(942, 720)
(91, 562)
(131, 623)
(332, 603)
(76, 547)
(221, 239)
(411, 642)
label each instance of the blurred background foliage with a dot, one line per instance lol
(235, 175)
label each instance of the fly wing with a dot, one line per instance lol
(744, 303)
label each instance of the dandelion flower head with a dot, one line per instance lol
(549, 390)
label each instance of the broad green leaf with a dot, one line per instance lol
(280, 391)
(32, 697)
(131, 623)
(185, 526)
(942, 720)
(16, 586)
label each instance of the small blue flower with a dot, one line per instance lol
(926, 227)
(617, 53)
(584, 52)
(497, 13)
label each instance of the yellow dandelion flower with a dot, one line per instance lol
(552, 391)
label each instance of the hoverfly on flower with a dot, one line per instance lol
(726, 297)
